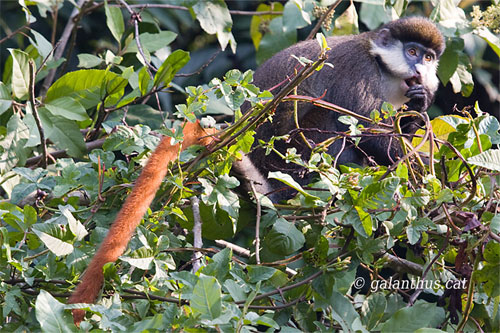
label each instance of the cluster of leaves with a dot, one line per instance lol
(69, 157)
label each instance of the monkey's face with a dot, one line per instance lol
(422, 64)
(408, 63)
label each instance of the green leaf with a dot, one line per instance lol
(20, 73)
(151, 42)
(288, 180)
(294, 16)
(51, 235)
(284, 238)
(13, 144)
(343, 312)
(275, 40)
(86, 60)
(4, 237)
(43, 46)
(461, 81)
(11, 302)
(260, 273)
(373, 309)
(207, 298)
(88, 86)
(489, 159)
(175, 61)
(30, 215)
(379, 194)
(259, 20)
(235, 290)
(449, 60)
(114, 21)
(68, 108)
(5, 99)
(144, 80)
(492, 40)
(347, 22)
(141, 263)
(64, 133)
(360, 220)
(221, 195)
(76, 227)
(220, 265)
(495, 224)
(214, 18)
(50, 314)
(420, 315)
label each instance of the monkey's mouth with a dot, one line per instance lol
(414, 80)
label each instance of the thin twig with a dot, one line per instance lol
(34, 110)
(322, 19)
(63, 152)
(419, 290)
(233, 12)
(257, 223)
(197, 242)
(15, 32)
(205, 65)
(136, 18)
(238, 249)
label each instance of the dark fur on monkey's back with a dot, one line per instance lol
(354, 82)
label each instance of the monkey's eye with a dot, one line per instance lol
(412, 51)
(428, 57)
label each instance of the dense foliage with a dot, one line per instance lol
(409, 247)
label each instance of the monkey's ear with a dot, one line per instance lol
(384, 37)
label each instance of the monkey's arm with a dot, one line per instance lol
(131, 213)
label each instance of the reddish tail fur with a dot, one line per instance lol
(131, 214)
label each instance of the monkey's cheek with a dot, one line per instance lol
(404, 87)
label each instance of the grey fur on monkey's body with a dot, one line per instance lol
(367, 70)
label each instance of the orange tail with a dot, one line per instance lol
(130, 215)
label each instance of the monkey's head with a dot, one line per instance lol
(409, 49)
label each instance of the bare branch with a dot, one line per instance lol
(34, 110)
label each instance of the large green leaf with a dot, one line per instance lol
(68, 108)
(114, 21)
(221, 195)
(288, 180)
(214, 18)
(5, 99)
(51, 316)
(284, 238)
(207, 298)
(489, 159)
(175, 61)
(373, 309)
(275, 40)
(343, 312)
(20, 73)
(51, 235)
(13, 144)
(43, 46)
(379, 194)
(409, 319)
(63, 132)
(86, 60)
(88, 86)
(76, 227)
(490, 38)
(151, 42)
(449, 60)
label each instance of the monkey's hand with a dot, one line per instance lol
(420, 98)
